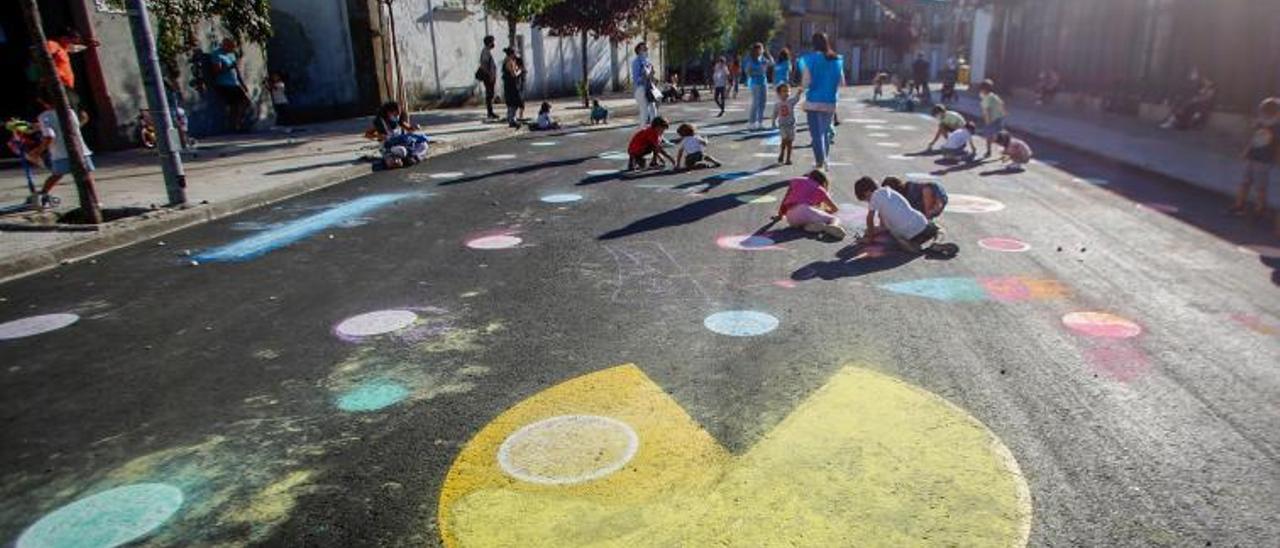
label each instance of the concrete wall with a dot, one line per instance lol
(122, 80)
(312, 48)
(440, 50)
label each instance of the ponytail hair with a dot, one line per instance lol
(823, 44)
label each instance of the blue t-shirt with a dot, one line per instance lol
(782, 72)
(824, 77)
(639, 71)
(226, 61)
(755, 70)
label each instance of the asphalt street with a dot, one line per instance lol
(439, 355)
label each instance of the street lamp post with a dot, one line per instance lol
(175, 177)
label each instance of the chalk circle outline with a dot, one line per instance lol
(1004, 244)
(496, 241)
(108, 518)
(36, 325)
(446, 175)
(1101, 324)
(765, 155)
(601, 172)
(544, 143)
(879, 135)
(969, 203)
(899, 157)
(378, 322)
(889, 144)
(741, 323)
(905, 128)
(613, 155)
(499, 157)
(747, 242)
(561, 198)
(545, 432)
(840, 164)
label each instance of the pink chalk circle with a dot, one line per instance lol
(852, 214)
(746, 242)
(968, 203)
(1270, 252)
(498, 241)
(1161, 207)
(1101, 324)
(1004, 245)
(1121, 363)
(35, 325)
(786, 284)
(376, 323)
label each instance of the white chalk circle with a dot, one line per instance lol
(888, 144)
(600, 172)
(878, 135)
(614, 155)
(967, 203)
(110, 518)
(741, 323)
(561, 198)
(765, 155)
(376, 323)
(865, 121)
(875, 127)
(899, 157)
(497, 157)
(905, 128)
(35, 325)
(756, 198)
(543, 144)
(578, 134)
(839, 164)
(500, 241)
(568, 449)
(447, 175)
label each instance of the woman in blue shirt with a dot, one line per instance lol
(782, 70)
(756, 68)
(823, 75)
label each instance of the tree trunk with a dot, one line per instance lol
(511, 33)
(68, 121)
(586, 73)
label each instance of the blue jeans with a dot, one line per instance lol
(756, 114)
(820, 134)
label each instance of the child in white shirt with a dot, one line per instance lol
(55, 145)
(958, 141)
(544, 121)
(909, 227)
(693, 149)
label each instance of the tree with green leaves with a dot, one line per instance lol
(759, 21)
(585, 18)
(516, 12)
(695, 27)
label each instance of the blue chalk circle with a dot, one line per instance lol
(373, 396)
(941, 289)
(110, 518)
(561, 198)
(740, 323)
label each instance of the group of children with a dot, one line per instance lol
(958, 133)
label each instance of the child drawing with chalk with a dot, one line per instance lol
(808, 206)
(646, 146)
(692, 149)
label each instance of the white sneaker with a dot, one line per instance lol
(835, 231)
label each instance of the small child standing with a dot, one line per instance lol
(53, 142)
(693, 149)
(645, 142)
(808, 205)
(279, 99)
(880, 80)
(545, 122)
(1016, 151)
(1260, 157)
(909, 227)
(784, 118)
(599, 114)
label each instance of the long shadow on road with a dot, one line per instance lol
(690, 213)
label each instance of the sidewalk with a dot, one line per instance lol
(228, 174)
(1199, 158)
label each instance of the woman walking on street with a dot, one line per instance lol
(511, 93)
(822, 76)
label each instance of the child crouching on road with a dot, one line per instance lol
(927, 197)
(1017, 153)
(957, 143)
(909, 227)
(692, 153)
(646, 142)
(808, 205)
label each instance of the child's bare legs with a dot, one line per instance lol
(784, 155)
(710, 161)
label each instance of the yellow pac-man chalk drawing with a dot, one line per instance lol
(610, 459)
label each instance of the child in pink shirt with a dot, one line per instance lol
(1016, 151)
(808, 205)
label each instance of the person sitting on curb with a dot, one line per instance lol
(910, 228)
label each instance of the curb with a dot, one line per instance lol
(1148, 169)
(163, 221)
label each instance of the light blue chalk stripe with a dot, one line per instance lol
(292, 231)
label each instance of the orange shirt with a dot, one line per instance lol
(644, 140)
(61, 63)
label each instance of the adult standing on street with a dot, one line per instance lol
(822, 76)
(511, 76)
(782, 68)
(229, 84)
(757, 69)
(642, 75)
(720, 78)
(920, 73)
(487, 74)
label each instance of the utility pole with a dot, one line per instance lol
(175, 178)
(68, 121)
